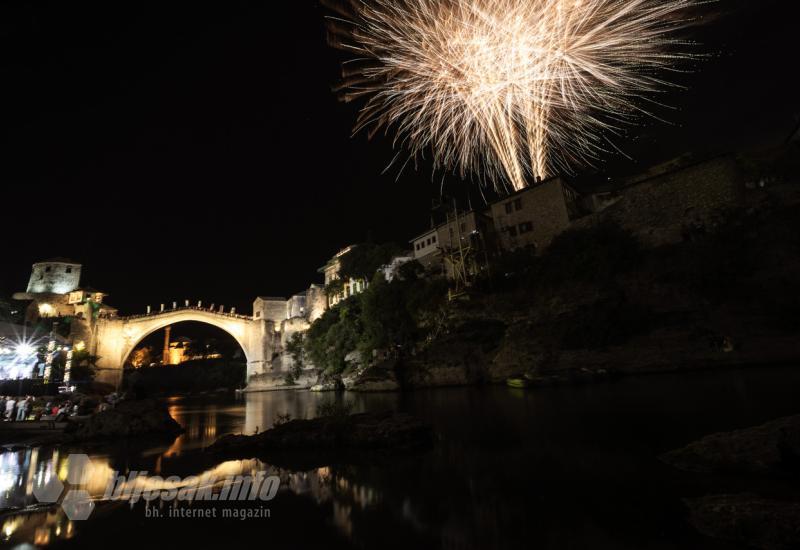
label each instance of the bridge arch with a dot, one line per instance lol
(163, 324)
(116, 338)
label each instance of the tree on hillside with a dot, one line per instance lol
(363, 260)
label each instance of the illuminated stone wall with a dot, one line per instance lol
(309, 305)
(296, 306)
(270, 309)
(48, 305)
(316, 302)
(54, 277)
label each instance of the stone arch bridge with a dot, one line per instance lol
(114, 338)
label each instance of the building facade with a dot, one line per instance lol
(331, 271)
(467, 242)
(464, 235)
(54, 276)
(54, 291)
(534, 216)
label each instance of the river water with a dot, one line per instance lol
(572, 467)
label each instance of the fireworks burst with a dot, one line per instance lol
(507, 89)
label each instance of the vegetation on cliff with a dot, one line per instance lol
(595, 299)
(387, 315)
(361, 262)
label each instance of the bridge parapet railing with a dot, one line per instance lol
(184, 308)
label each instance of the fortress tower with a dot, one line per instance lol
(54, 291)
(56, 276)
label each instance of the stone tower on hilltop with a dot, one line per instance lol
(55, 276)
(54, 291)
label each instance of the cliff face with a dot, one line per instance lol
(599, 303)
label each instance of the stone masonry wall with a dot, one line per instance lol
(659, 210)
(54, 277)
(542, 205)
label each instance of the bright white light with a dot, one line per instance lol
(24, 350)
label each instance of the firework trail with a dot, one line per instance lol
(507, 90)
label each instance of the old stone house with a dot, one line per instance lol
(534, 216)
(331, 271)
(464, 236)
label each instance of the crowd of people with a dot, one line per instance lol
(17, 409)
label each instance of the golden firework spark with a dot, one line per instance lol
(507, 89)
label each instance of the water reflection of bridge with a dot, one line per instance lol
(24, 470)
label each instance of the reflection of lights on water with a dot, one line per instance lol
(7, 481)
(342, 518)
(10, 526)
(41, 536)
(63, 470)
(9, 471)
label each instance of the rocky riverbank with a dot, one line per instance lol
(748, 519)
(600, 301)
(330, 439)
(489, 351)
(771, 450)
(130, 420)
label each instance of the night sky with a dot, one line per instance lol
(196, 150)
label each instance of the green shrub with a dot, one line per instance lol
(384, 316)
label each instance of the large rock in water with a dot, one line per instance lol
(748, 519)
(772, 448)
(147, 417)
(377, 378)
(357, 432)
